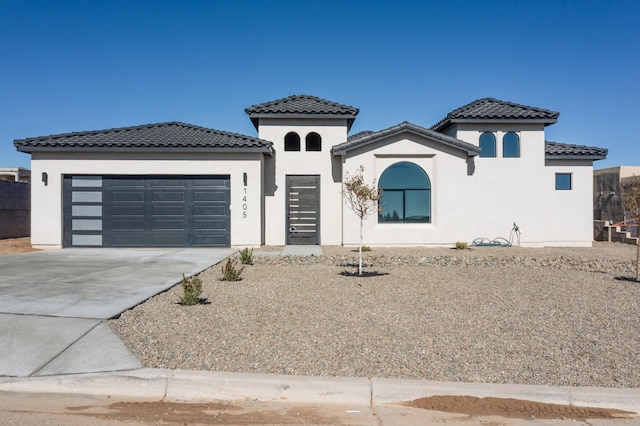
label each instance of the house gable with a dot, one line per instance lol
(368, 138)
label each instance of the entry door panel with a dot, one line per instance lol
(303, 209)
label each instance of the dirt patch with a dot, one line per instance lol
(513, 408)
(16, 245)
(203, 413)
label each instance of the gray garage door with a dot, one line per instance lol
(146, 211)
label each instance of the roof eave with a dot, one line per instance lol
(264, 150)
(593, 157)
(545, 121)
(256, 116)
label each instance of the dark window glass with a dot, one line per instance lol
(487, 145)
(406, 194)
(510, 145)
(292, 142)
(563, 181)
(313, 142)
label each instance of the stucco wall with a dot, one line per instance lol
(15, 208)
(332, 132)
(47, 199)
(568, 215)
(448, 172)
(481, 197)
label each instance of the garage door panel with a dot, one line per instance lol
(120, 209)
(167, 223)
(168, 195)
(129, 239)
(214, 195)
(210, 210)
(127, 195)
(161, 210)
(168, 240)
(91, 211)
(199, 224)
(167, 182)
(147, 211)
(206, 240)
(132, 222)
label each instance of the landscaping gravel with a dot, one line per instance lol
(545, 316)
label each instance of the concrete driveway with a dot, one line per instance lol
(53, 303)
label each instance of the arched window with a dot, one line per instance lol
(406, 194)
(313, 142)
(510, 145)
(487, 145)
(292, 142)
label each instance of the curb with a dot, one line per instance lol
(199, 386)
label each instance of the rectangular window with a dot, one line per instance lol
(563, 181)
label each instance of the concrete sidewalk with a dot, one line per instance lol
(365, 401)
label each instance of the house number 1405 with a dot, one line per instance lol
(244, 204)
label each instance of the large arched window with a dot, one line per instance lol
(510, 145)
(292, 142)
(406, 194)
(487, 145)
(313, 142)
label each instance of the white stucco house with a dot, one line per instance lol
(475, 173)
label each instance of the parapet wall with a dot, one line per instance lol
(15, 209)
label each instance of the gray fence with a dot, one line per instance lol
(15, 209)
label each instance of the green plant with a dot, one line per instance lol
(246, 256)
(191, 290)
(366, 248)
(229, 271)
(461, 245)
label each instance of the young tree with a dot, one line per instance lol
(631, 193)
(363, 200)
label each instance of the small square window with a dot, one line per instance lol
(563, 181)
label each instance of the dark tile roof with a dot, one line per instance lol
(301, 105)
(360, 134)
(366, 137)
(167, 137)
(565, 150)
(490, 109)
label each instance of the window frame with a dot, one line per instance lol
(559, 184)
(405, 195)
(515, 142)
(493, 141)
(295, 142)
(311, 140)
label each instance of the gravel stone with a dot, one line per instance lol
(543, 316)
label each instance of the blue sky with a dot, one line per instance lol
(88, 65)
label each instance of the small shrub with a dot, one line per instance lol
(246, 256)
(366, 248)
(229, 271)
(191, 290)
(461, 245)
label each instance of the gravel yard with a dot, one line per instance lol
(552, 316)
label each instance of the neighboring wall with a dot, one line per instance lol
(15, 209)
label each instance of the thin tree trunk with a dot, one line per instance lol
(360, 251)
